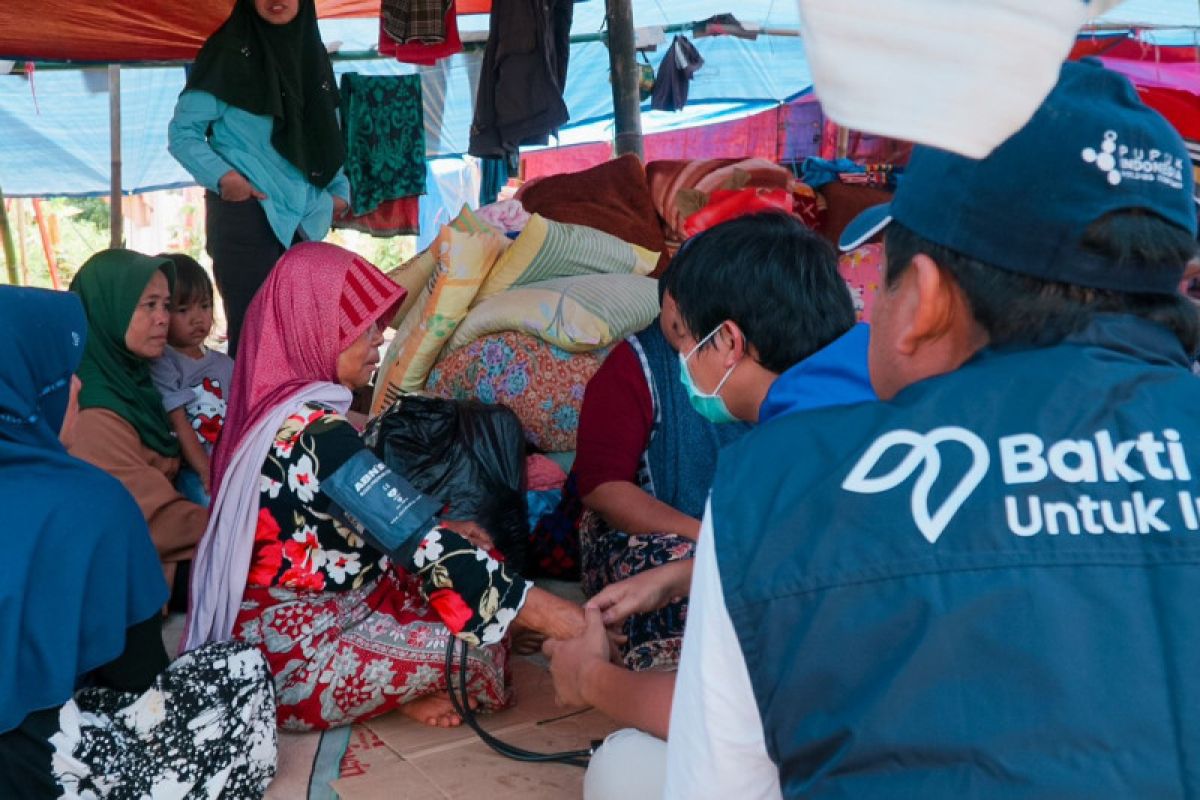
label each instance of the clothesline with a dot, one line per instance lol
(472, 40)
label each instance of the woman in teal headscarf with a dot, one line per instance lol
(122, 427)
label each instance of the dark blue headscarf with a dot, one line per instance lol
(78, 566)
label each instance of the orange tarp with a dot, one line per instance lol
(136, 30)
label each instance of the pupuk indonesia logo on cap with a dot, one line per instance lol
(1120, 162)
(1106, 158)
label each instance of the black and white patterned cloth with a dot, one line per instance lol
(205, 729)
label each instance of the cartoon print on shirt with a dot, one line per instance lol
(207, 410)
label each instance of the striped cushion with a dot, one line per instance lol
(547, 249)
(577, 314)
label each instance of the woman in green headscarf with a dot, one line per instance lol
(122, 427)
(257, 126)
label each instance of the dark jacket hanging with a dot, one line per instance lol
(524, 73)
(681, 62)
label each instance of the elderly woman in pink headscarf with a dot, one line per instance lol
(335, 566)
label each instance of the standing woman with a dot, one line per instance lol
(257, 127)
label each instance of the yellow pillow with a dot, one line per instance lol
(577, 314)
(414, 276)
(465, 249)
(547, 249)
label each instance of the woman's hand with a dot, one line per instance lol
(645, 592)
(235, 188)
(340, 207)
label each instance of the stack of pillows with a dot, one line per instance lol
(525, 322)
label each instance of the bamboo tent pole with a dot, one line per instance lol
(116, 215)
(10, 251)
(622, 59)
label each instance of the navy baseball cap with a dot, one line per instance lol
(1091, 148)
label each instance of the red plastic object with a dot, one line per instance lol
(727, 204)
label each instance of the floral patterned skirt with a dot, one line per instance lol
(342, 657)
(205, 729)
(608, 556)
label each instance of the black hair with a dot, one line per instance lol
(1015, 309)
(191, 281)
(774, 277)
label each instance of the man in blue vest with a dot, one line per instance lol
(984, 587)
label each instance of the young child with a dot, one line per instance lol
(193, 380)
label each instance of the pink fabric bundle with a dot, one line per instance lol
(543, 474)
(506, 216)
(315, 303)
(668, 178)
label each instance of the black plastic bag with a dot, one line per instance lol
(468, 455)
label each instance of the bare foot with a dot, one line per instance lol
(436, 711)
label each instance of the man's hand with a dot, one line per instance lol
(340, 207)
(645, 592)
(572, 660)
(235, 188)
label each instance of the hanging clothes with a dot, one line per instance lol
(415, 51)
(675, 73)
(414, 21)
(383, 123)
(520, 96)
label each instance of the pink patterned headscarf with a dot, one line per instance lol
(317, 300)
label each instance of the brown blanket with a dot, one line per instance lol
(612, 197)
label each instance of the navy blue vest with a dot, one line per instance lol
(989, 587)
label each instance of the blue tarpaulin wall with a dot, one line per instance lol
(54, 128)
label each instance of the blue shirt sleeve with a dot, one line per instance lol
(340, 186)
(187, 138)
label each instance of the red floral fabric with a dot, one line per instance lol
(347, 634)
(342, 657)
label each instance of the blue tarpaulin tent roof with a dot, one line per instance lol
(55, 126)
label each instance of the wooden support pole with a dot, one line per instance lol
(622, 59)
(10, 251)
(116, 215)
(47, 247)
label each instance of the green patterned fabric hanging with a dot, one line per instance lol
(383, 121)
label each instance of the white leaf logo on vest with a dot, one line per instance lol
(1072, 486)
(923, 451)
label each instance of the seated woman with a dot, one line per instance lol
(88, 705)
(122, 426)
(643, 469)
(335, 566)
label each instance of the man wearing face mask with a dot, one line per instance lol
(758, 318)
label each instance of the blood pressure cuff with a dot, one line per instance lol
(474, 594)
(392, 515)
